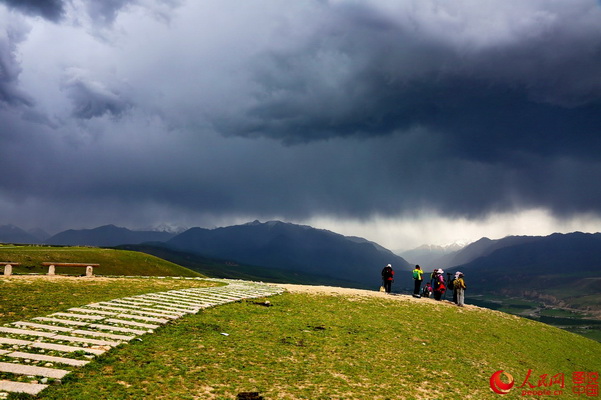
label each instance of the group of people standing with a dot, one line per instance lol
(436, 287)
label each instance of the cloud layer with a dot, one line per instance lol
(147, 111)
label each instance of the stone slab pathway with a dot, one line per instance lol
(40, 352)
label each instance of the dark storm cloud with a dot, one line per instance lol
(105, 11)
(50, 9)
(92, 99)
(342, 178)
(301, 109)
(102, 12)
(367, 73)
(10, 93)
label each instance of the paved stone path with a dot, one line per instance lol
(36, 353)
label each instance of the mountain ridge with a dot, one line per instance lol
(13, 234)
(282, 245)
(434, 256)
(106, 236)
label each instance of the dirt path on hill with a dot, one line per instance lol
(340, 291)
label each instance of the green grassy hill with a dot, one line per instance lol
(112, 262)
(318, 347)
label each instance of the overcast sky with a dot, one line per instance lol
(404, 122)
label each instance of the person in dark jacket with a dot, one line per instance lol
(387, 278)
(427, 292)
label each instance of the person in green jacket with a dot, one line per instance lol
(417, 278)
(460, 289)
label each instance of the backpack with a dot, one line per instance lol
(416, 274)
(458, 284)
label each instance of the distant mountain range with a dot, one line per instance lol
(431, 256)
(107, 236)
(297, 250)
(527, 255)
(561, 268)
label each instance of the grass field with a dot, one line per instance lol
(112, 262)
(320, 347)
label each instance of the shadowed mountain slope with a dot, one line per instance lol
(292, 247)
(105, 236)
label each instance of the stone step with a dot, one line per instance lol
(41, 326)
(209, 299)
(187, 307)
(181, 310)
(26, 332)
(238, 294)
(12, 341)
(253, 294)
(177, 307)
(142, 318)
(160, 297)
(79, 316)
(93, 311)
(61, 321)
(193, 296)
(131, 323)
(21, 387)
(133, 300)
(131, 310)
(161, 303)
(118, 329)
(76, 339)
(20, 369)
(210, 295)
(177, 301)
(66, 349)
(158, 312)
(43, 357)
(103, 334)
